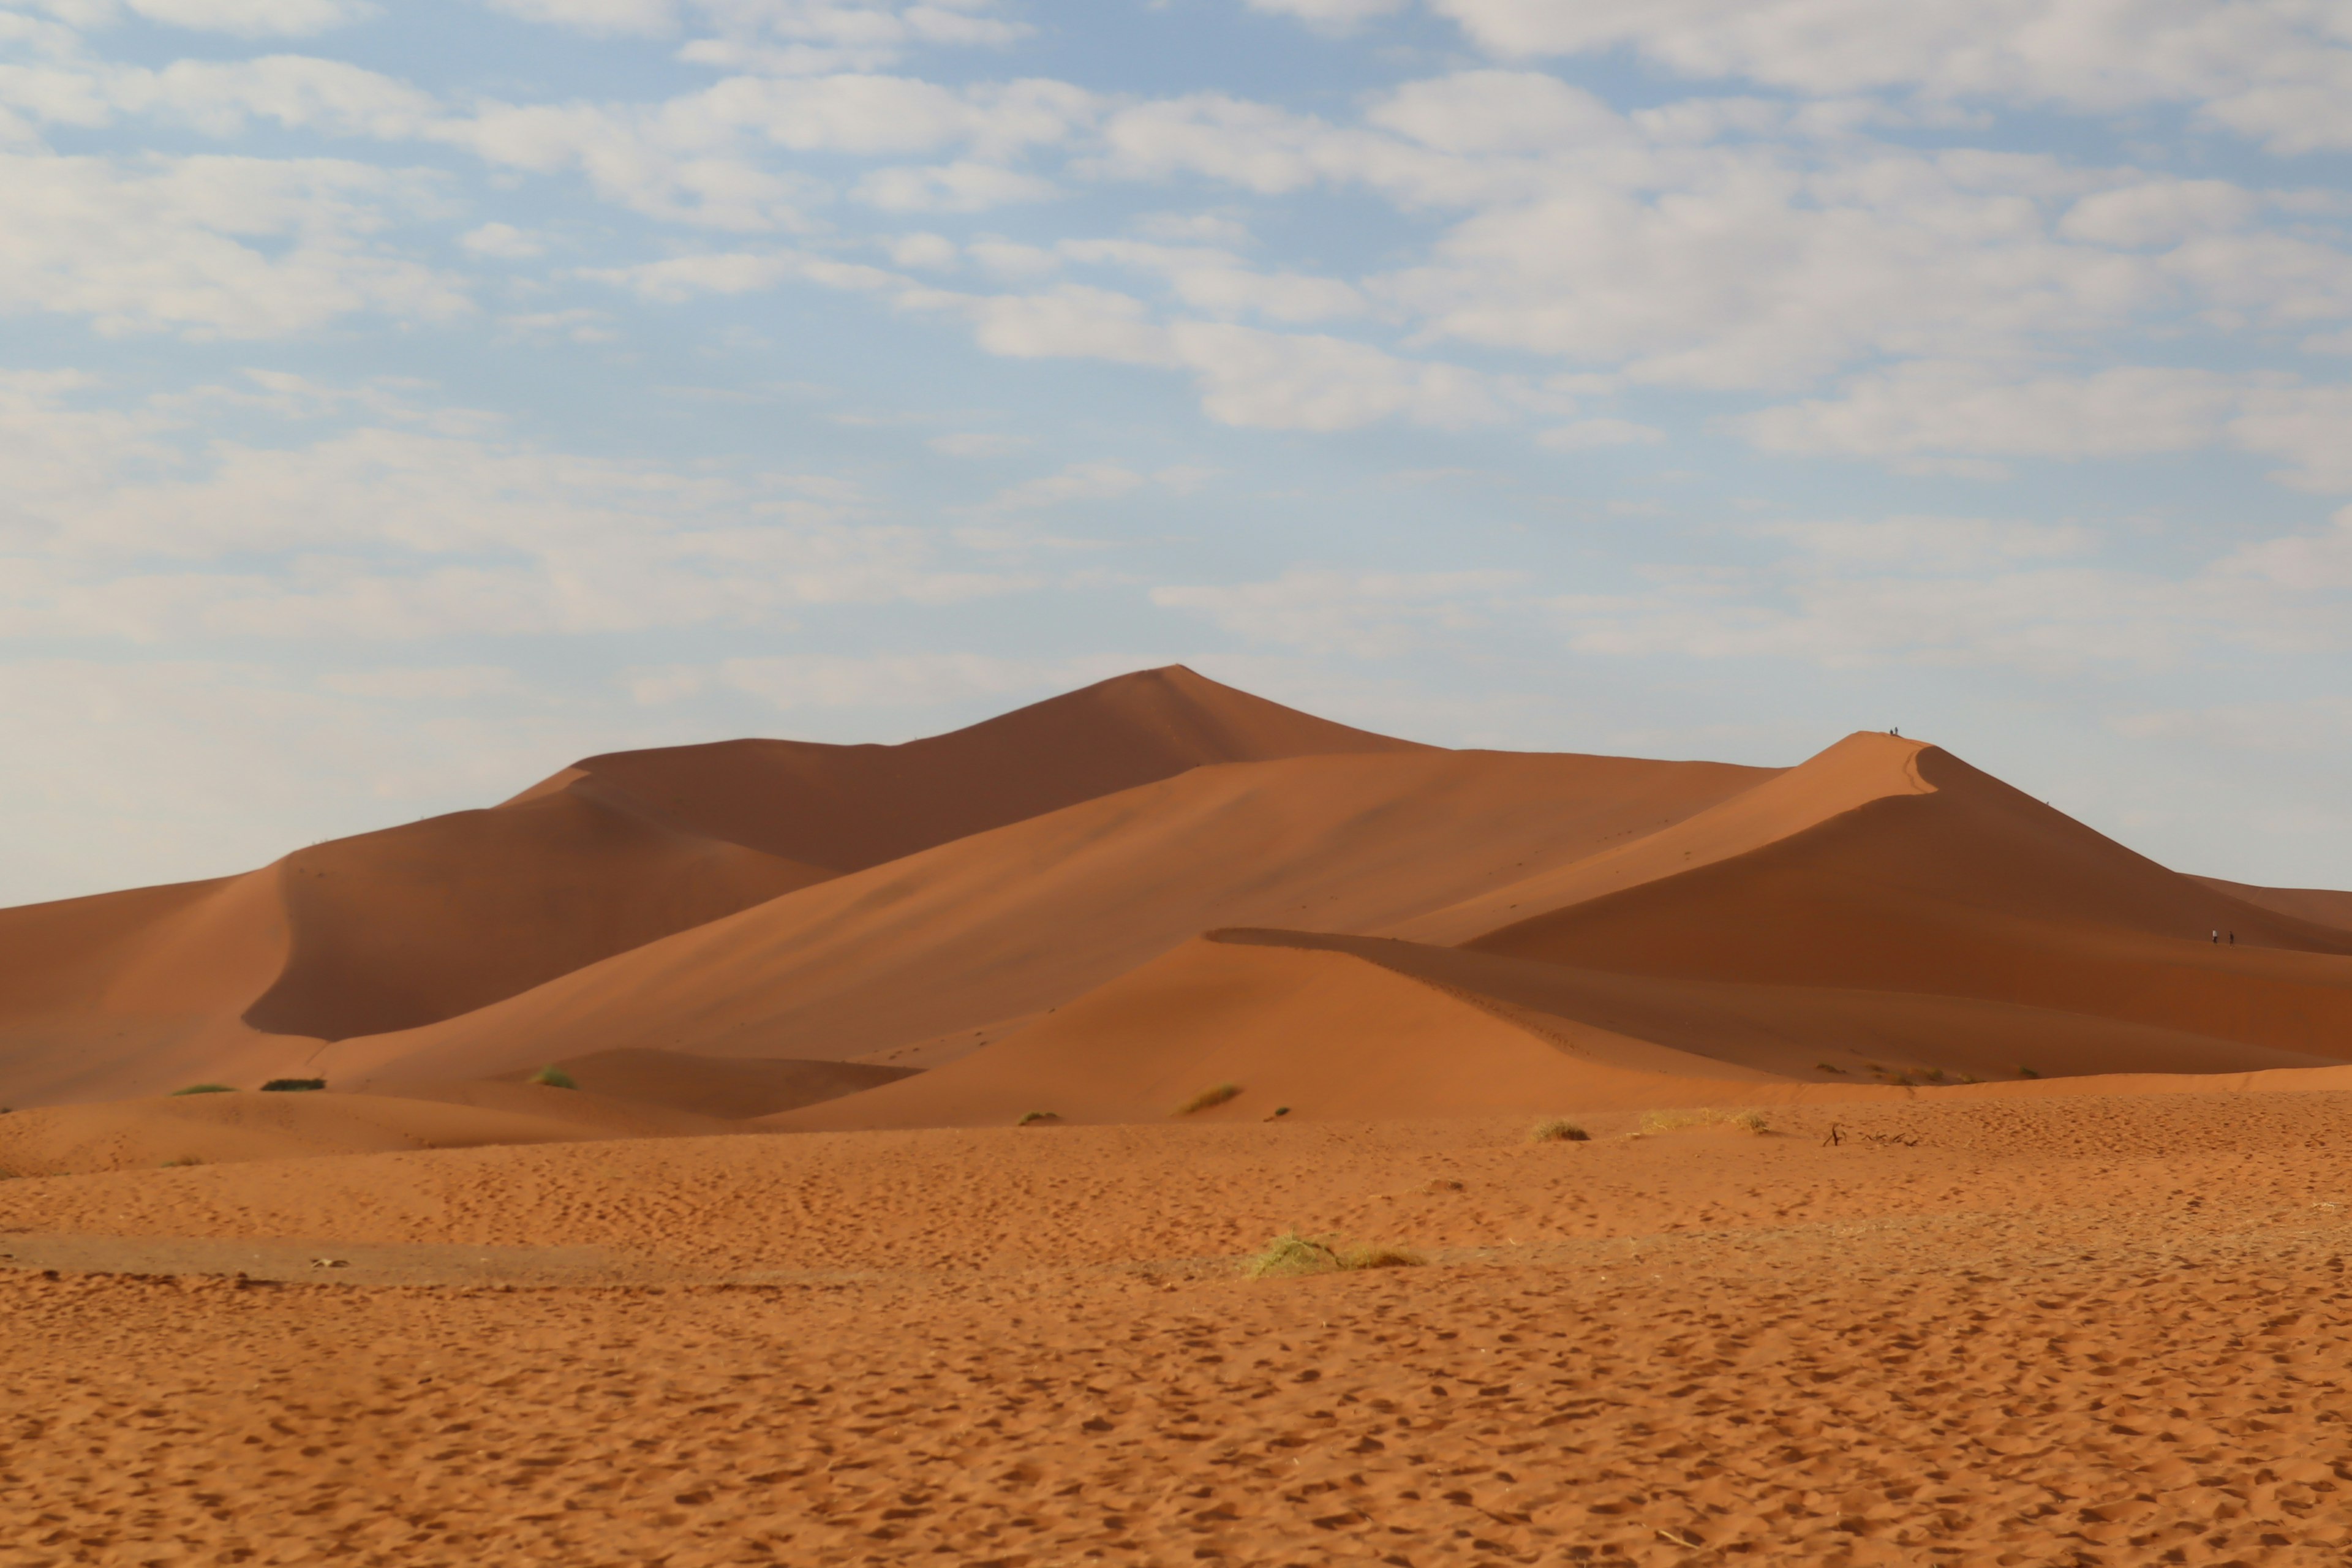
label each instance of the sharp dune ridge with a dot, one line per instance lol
(1099, 903)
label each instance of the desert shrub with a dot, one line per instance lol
(183, 1161)
(1216, 1094)
(1028, 1117)
(293, 1085)
(1290, 1255)
(2027, 1072)
(203, 1089)
(1675, 1121)
(1824, 1066)
(553, 1077)
(1558, 1129)
(1933, 1075)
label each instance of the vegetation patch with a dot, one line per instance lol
(1654, 1122)
(1030, 1118)
(203, 1089)
(1291, 1255)
(183, 1161)
(553, 1077)
(1216, 1094)
(294, 1086)
(1558, 1129)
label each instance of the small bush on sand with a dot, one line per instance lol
(1029, 1117)
(1290, 1255)
(183, 1160)
(553, 1077)
(1654, 1122)
(2027, 1072)
(294, 1086)
(203, 1089)
(1558, 1129)
(1216, 1094)
(1824, 1066)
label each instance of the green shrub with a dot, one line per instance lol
(553, 1077)
(203, 1089)
(1029, 1117)
(1216, 1094)
(1558, 1129)
(2027, 1072)
(1290, 1255)
(1676, 1121)
(294, 1086)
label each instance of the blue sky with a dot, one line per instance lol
(401, 400)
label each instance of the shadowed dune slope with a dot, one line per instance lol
(2321, 906)
(1362, 1027)
(712, 1085)
(418, 923)
(1319, 1030)
(139, 991)
(1969, 890)
(1031, 915)
(136, 992)
(849, 808)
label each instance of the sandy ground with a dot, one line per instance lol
(2048, 1332)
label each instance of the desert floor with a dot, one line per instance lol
(2057, 1330)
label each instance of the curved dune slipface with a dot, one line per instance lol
(1032, 915)
(1317, 1030)
(2320, 906)
(437, 919)
(1970, 890)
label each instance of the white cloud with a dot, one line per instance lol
(2271, 68)
(1367, 614)
(2308, 725)
(959, 188)
(254, 19)
(118, 527)
(503, 241)
(211, 245)
(1587, 435)
(1339, 13)
(891, 680)
(978, 444)
(1933, 544)
(1944, 407)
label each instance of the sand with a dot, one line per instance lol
(2065, 1329)
(1951, 1194)
(243, 979)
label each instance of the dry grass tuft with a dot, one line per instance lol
(1291, 1255)
(184, 1160)
(294, 1086)
(1654, 1122)
(1030, 1118)
(553, 1077)
(1216, 1094)
(203, 1089)
(1558, 1129)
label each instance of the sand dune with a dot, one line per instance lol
(135, 993)
(1028, 916)
(1970, 890)
(1085, 904)
(848, 808)
(733, 1088)
(2318, 905)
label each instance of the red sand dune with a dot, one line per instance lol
(1030, 915)
(1021, 907)
(733, 1089)
(143, 992)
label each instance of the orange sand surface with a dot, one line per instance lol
(1962, 1186)
(2040, 1329)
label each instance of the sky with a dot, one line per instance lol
(401, 400)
